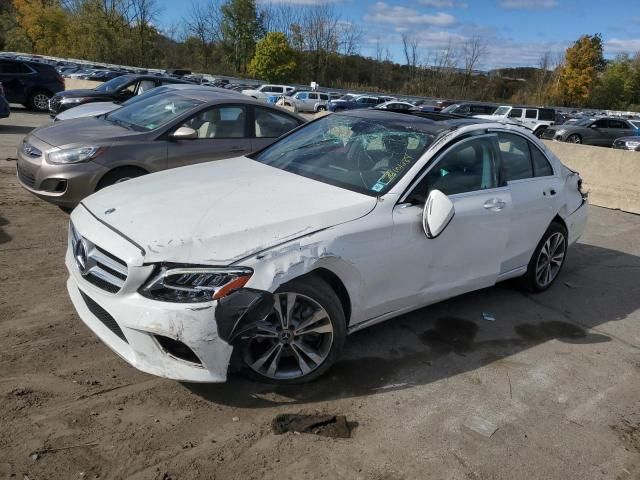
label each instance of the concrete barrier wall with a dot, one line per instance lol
(612, 177)
(74, 83)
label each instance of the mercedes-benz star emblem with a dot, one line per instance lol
(82, 257)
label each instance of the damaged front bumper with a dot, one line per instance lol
(176, 341)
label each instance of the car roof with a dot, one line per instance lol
(416, 122)
(213, 96)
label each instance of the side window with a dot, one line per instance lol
(219, 122)
(146, 85)
(324, 96)
(547, 114)
(541, 166)
(531, 114)
(516, 159)
(313, 96)
(617, 124)
(271, 124)
(515, 113)
(467, 167)
(7, 66)
(302, 96)
(129, 90)
(277, 89)
(602, 123)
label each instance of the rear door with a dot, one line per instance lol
(14, 77)
(534, 190)
(619, 128)
(530, 117)
(222, 133)
(269, 124)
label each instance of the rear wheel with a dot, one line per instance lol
(119, 175)
(321, 108)
(539, 131)
(574, 138)
(39, 101)
(548, 259)
(301, 338)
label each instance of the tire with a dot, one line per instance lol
(275, 356)
(119, 175)
(539, 131)
(321, 108)
(554, 241)
(574, 138)
(39, 101)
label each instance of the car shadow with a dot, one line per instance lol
(4, 236)
(15, 129)
(452, 337)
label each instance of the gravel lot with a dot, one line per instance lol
(556, 375)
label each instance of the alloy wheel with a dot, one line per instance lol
(574, 139)
(293, 341)
(41, 101)
(550, 259)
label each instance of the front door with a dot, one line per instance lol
(222, 133)
(468, 254)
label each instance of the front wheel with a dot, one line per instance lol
(39, 101)
(301, 338)
(574, 138)
(548, 259)
(321, 108)
(119, 175)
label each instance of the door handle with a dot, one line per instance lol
(549, 192)
(494, 204)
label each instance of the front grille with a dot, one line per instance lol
(97, 266)
(104, 316)
(54, 104)
(25, 177)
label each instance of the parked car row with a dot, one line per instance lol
(31, 84)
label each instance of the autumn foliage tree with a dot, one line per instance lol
(274, 59)
(578, 76)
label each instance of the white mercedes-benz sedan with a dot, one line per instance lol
(269, 261)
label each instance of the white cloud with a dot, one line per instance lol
(528, 4)
(437, 3)
(616, 45)
(402, 16)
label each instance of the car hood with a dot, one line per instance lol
(490, 117)
(81, 131)
(83, 92)
(88, 110)
(217, 213)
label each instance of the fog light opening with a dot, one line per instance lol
(177, 349)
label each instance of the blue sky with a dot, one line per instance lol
(517, 32)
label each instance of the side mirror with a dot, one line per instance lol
(593, 125)
(184, 133)
(437, 214)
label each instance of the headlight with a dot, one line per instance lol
(75, 155)
(561, 131)
(633, 143)
(68, 100)
(189, 284)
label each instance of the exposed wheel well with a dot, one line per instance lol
(558, 219)
(338, 287)
(118, 170)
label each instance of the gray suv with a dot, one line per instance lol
(67, 161)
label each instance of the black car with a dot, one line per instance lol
(470, 109)
(30, 83)
(117, 90)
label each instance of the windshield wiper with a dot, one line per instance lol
(120, 123)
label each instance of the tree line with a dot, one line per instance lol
(301, 43)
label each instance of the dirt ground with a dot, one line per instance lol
(549, 390)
